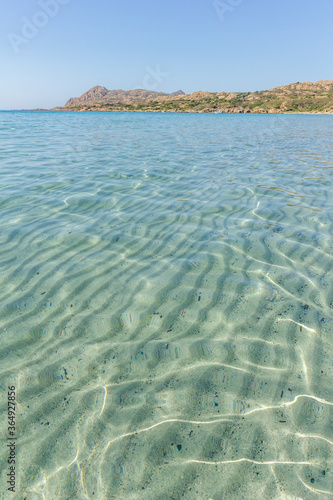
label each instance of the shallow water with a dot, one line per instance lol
(166, 305)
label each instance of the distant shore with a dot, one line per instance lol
(327, 113)
(295, 98)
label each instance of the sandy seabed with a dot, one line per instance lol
(166, 291)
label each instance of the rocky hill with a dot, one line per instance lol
(296, 97)
(100, 95)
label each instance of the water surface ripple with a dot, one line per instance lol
(166, 305)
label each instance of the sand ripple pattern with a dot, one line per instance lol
(166, 305)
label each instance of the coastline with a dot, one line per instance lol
(297, 98)
(183, 112)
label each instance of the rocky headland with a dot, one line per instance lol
(306, 97)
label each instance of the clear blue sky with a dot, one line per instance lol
(253, 45)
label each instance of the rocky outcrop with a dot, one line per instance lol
(95, 94)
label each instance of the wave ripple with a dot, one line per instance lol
(166, 305)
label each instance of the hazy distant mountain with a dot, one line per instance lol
(179, 92)
(295, 97)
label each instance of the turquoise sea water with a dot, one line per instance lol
(166, 305)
